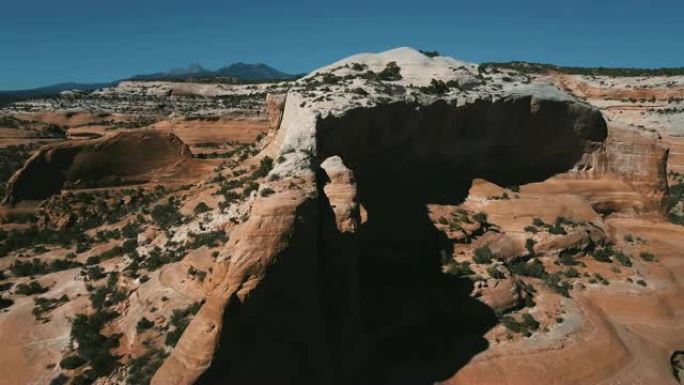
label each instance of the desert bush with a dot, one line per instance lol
(167, 215)
(71, 362)
(436, 87)
(430, 54)
(180, 319)
(141, 369)
(265, 166)
(93, 346)
(483, 255)
(623, 259)
(24, 269)
(267, 191)
(210, 239)
(529, 246)
(31, 288)
(143, 325)
(201, 208)
(530, 322)
(391, 72)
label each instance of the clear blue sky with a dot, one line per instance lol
(50, 41)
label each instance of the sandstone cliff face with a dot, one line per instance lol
(367, 294)
(123, 158)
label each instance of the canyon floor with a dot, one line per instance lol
(392, 218)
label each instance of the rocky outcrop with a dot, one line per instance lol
(275, 103)
(362, 169)
(119, 159)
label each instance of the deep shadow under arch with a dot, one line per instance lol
(378, 308)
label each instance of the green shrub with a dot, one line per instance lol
(495, 273)
(201, 208)
(209, 239)
(143, 325)
(556, 229)
(267, 191)
(62, 264)
(61, 379)
(529, 246)
(483, 255)
(623, 259)
(141, 369)
(179, 321)
(25, 269)
(511, 324)
(458, 269)
(648, 257)
(167, 215)
(131, 230)
(5, 303)
(71, 362)
(567, 256)
(44, 305)
(95, 273)
(533, 268)
(199, 274)
(390, 73)
(93, 346)
(530, 322)
(436, 87)
(265, 166)
(31, 288)
(253, 186)
(603, 254)
(480, 218)
(430, 54)
(358, 67)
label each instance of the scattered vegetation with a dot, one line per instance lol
(648, 257)
(44, 305)
(391, 72)
(267, 191)
(180, 319)
(201, 208)
(439, 87)
(538, 68)
(93, 347)
(143, 325)
(31, 288)
(167, 215)
(430, 54)
(524, 327)
(141, 369)
(483, 255)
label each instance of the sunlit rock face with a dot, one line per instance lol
(352, 241)
(392, 218)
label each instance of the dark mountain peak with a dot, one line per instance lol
(256, 71)
(192, 69)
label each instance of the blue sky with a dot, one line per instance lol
(50, 41)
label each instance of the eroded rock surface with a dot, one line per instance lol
(392, 145)
(402, 219)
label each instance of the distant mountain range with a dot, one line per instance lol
(240, 71)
